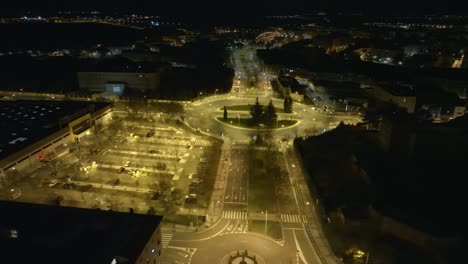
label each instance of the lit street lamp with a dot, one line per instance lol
(216, 91)
(200, 93)
(196, 219)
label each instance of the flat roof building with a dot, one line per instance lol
(119, 77)
(31, 130)
(402, 95)
(32, 233)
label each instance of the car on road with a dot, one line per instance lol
(120, 170)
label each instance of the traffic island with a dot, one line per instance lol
(243, 257)
(245, 123)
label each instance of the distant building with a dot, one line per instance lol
(118, 82)
(31, 233)
(287, 85)
(341, 96)
(118, 75)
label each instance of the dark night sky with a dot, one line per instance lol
(236, 8)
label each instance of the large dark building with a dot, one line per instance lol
(31, 233)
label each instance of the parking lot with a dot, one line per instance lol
(128, 165)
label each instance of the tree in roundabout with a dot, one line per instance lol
(225, 115)
(256, 113)
(288, 102)
(270, 117)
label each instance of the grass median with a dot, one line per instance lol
(262, 195)
(273, 228)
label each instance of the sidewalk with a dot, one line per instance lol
(113, 187)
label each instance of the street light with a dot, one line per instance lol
(196, 219)
(216, 91)
(200, 93)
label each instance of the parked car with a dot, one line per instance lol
(115, 182)
(53, 182)
(155, 196)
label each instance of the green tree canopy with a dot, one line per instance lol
(288, 102)
(270, 114)
(256, 111)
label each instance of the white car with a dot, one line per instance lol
(15, 196)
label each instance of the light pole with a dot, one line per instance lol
(216, 91)
(196, 219)
(200, 93)
(266, 220)
(212, 208)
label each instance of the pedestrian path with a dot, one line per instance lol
(293, 218)
(165, 239)
(234, 215)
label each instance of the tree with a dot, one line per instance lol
(270, 114)
(225, 114)
(151, 211)
(288, 102)
(256, 111)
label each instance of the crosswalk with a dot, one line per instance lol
(202, 143)
(234, 215)
(165, 239)
(293, 218)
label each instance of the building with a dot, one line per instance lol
(119, 77)
(32, 233)
(338, 95)
(118, 82)
(36, 131)
(286, 85)
(401, 95)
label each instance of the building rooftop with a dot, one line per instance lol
(26, 122)
(31, 233)
(400, 90)
(117, 65)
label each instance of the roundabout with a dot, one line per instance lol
(205, 115)
(243, 257)
(238, 248)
